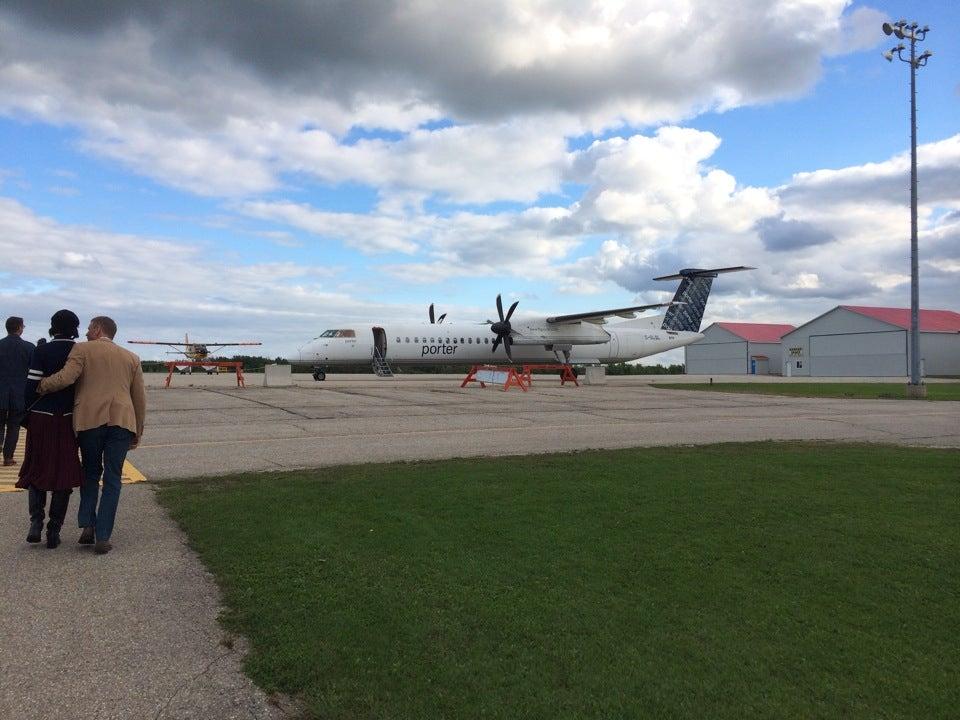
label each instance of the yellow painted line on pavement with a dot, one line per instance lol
(9, 475)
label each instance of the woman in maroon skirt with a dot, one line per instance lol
(51, 461)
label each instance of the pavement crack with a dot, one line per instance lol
(258, 402)
(190, 682)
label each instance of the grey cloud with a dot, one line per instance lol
(779, 235)
(887, 183)
(452, 54)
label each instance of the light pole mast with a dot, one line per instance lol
(914, 33)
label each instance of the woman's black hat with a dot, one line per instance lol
(65, 323)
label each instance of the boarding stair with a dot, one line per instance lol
(380, 365)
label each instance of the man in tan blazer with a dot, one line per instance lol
(108, 413)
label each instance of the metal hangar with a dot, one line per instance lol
(730, 348)
(861, 341)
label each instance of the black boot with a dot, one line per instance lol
(53, 536)
(58, 511)
(37, 499)
(35, 531)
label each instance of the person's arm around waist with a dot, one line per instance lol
(139, 397)
(68, 376)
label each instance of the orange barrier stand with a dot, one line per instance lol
(566, 372)
(235, 364)
(484, 374)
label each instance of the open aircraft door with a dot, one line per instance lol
(379, 342)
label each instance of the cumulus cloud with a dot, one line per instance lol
(886, 182)
(227, 98)
(160, 288)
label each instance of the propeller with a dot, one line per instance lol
(502, 328)
(439, 319)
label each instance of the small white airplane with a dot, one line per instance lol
(579, 338)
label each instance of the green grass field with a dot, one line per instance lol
(862, 391)
(780, 580)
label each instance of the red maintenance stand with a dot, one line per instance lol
(566, 372)
(494, 374)
(237, 367)
(510, 377)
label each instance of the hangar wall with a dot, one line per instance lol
(843, 343)
(940, 353)
(723, 352)
(771, 350)
(839, 343)
(720, 352)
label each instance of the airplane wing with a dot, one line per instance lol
(155, 342)
(597, 317)
(161, 342)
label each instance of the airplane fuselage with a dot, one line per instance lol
(471, 343)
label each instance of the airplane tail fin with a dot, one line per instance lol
(691, 296)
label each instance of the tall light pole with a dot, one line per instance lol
(914, 33)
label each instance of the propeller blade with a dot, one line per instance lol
(507, 342)
(496, 342)
(500, 308)
(512, 308)
(431, 313)
(440, 319)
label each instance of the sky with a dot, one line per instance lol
(240, 170)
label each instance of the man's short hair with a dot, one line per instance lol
(106, 324)
(14, 323)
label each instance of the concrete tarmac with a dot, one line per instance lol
(204, 425)
(125, 636)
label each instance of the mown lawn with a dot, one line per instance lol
(779, 580)
(862, 391)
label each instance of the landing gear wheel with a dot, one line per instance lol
(319, 375)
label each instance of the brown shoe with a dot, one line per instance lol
(102, 547)
(86, 537)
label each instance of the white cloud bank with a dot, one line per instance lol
(230, 98)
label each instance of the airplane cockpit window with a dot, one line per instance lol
(337, 334)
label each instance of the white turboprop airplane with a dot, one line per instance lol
(579, 338)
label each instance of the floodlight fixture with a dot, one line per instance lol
(887, 28)
(889, 55)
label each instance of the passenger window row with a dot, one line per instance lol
(448, 341)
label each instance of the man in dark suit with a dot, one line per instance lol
(15, 356)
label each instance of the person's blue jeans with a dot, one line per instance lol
(102, 451)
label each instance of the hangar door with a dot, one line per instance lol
(872, 354)
(728, 358)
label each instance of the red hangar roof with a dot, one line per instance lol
(930, 320)
(757, 332)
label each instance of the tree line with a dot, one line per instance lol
(256, 363)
